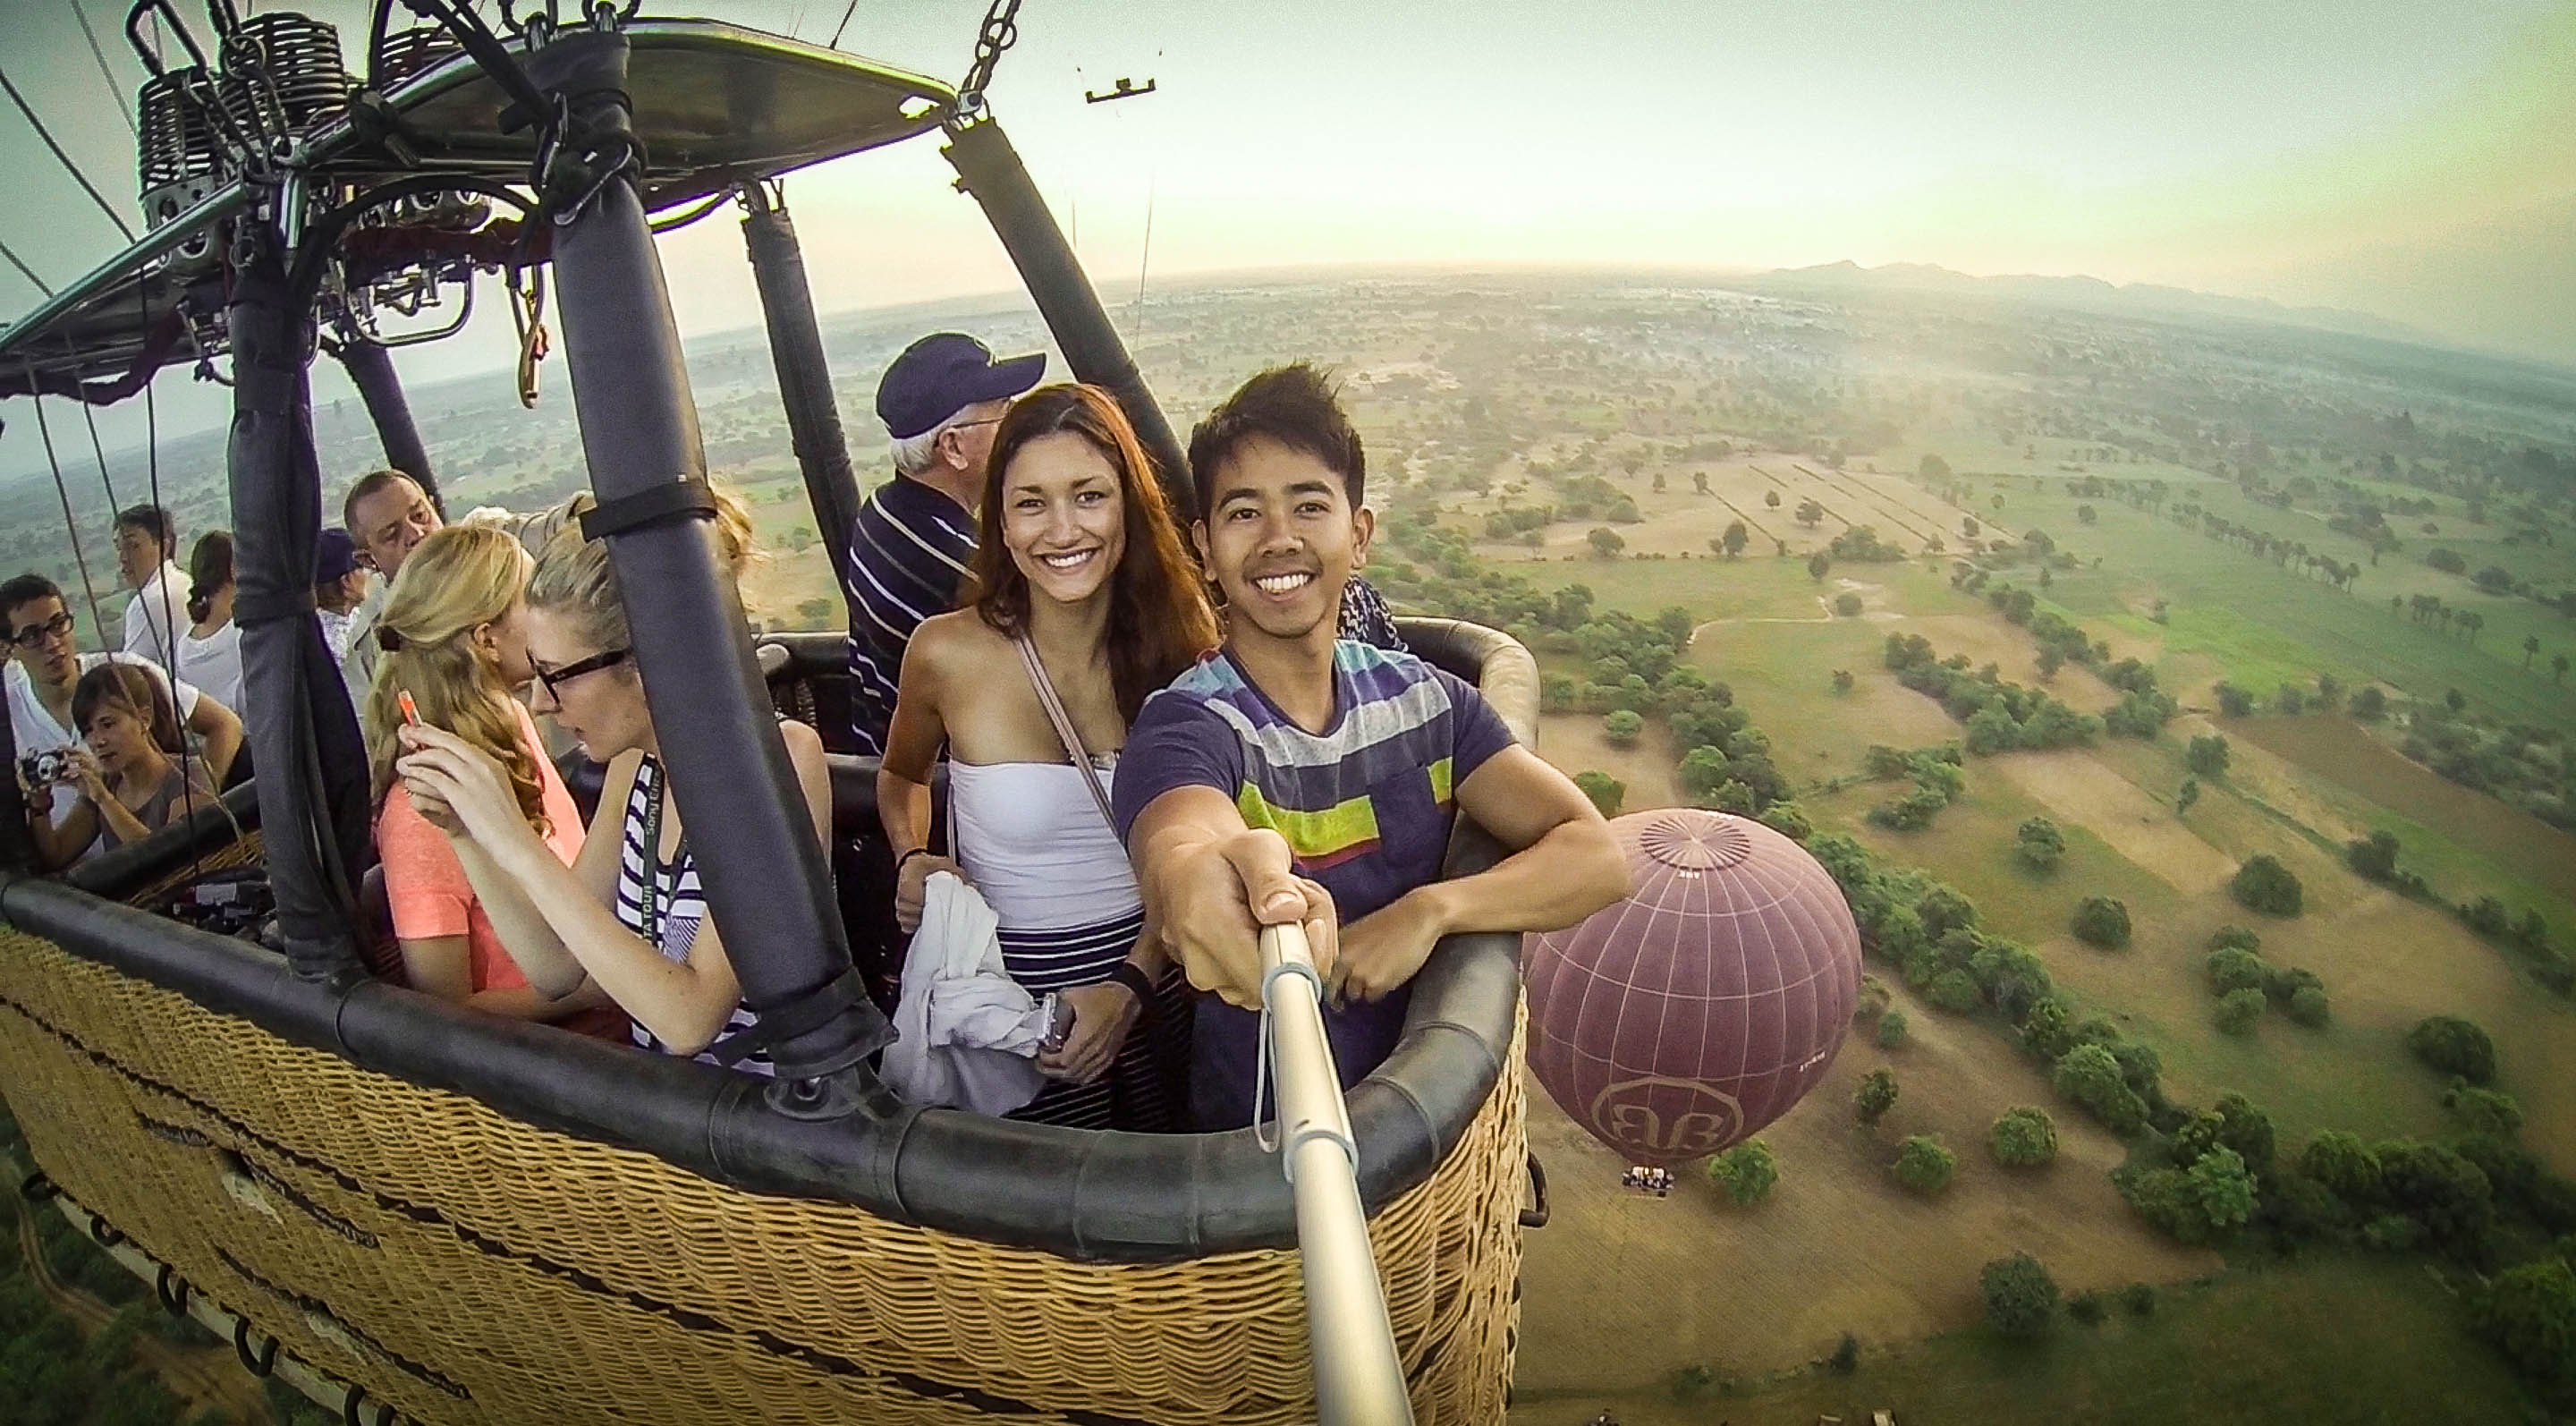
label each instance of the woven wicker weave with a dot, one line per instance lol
(469, 1269)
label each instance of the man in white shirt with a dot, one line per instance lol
(46, 666)
(146, 538)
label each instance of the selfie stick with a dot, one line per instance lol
(1358, 1379)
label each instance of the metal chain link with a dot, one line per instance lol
(1001, 31)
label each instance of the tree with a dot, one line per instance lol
(1606, 542)
(2233, 701)
(2329, 692)
(1968, 526)
(2369, 703)
(1891, 1029)
(2102, 921)
(1606, 792)
(1622, 727)
(2039, 844)
(1954, 990)
(2023, 1137)
(2224, 1186)
(2530, 650)
(2455, 700)
(1842, 680)
(2529, 1314)
(1703, 770)
(2490, 1112)
(1771, 499)
(2085, 515)
(2234, 968)
(1846, 1357)
(1876, 1096)
(2208, 755)
(2021, 1298)
(2238, 1010)
(1699, 482)
(1932, 467)
(2263, 884)
(2373, 858)
(1924, 1165)
(1659, 482)
(2186, 795)
(1735, 538)
(1809, 513)
(2090, 1075)
(2308, 1006)
(1817, 564)
(2557, 668)
(2454, 1046)
(1747, 1172)
(1847, 604)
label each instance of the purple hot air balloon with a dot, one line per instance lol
(1686, 1017)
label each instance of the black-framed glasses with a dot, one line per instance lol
(555, 678)
(35, 635)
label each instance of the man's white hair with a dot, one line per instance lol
(912, 454)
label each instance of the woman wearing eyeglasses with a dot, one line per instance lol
(454, 637)
(628, 913)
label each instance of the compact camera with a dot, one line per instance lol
(46, 768)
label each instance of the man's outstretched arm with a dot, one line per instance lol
(1211, 884)
(1564, 866)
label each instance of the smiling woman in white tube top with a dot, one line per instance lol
(1081, 597)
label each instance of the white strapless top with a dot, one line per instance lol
(1035, 845)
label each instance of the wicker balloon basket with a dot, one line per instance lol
(464, 1267)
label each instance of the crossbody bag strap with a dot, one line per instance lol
(1064, 730)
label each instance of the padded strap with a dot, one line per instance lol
(679, 500)
(807, 1013)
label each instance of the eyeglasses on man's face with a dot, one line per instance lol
(36, 636)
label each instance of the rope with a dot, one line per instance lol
(152, 466)
(845, 23)
(71, 523)
(123, 111)
(28, 272)
(65, 159)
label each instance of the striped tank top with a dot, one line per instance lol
(662, 901)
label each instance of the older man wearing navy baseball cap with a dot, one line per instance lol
(915, 534)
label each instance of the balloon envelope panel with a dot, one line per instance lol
(1687, 1016)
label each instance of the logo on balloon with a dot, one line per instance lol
(1703, 1120)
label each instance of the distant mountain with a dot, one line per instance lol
(2091, 294)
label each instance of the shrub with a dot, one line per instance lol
(1747, 1172)
(2263, 884)
(1924, 1165)
(2233, 968)
(2090, 1075)
(1954, 990)
(2439, 1189)
(2207, 755)
(1891, 1030)
(2308, 1006)
(1846, 1357)
(2393, 1233)
(1847, 605)
(2139, 1298)
(2224, 1187)
(1873, 999)
(2023, 1137)
(2039, 844)
(2283, 982)
(2088, 1308)
(2021, 1298)
(1876, 1096)
(2102, 921)
(2373, 858)
(2484, 1111)
(1606, 792)
(2239, 937)
(1788, 819)
(2453, 1046)
(2238, 1010)
(1622, 727)
(2347, 1167)
(2529, 1314)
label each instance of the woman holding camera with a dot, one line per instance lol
(131, 769)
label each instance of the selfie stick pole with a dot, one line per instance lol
(1358, 1379)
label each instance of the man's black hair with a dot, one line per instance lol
(151, 520)
(27, 589)
(1295, 405)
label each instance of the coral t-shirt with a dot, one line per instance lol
(426, 885)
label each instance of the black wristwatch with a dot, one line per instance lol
(1132, 976)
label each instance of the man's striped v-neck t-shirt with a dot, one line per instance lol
(909, 550)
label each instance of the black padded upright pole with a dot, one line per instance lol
(371, 370)
(766, 880)
(990, 169)
(804, 375)
(303, 736)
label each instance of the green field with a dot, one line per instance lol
(2350, 1340)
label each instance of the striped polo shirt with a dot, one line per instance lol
(909, 550)
(1365, 806)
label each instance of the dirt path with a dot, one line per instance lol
(201, 1376)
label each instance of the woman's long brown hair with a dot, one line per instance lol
(1159, 620)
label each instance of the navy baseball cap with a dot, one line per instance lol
(335, 556)
(943, 374)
